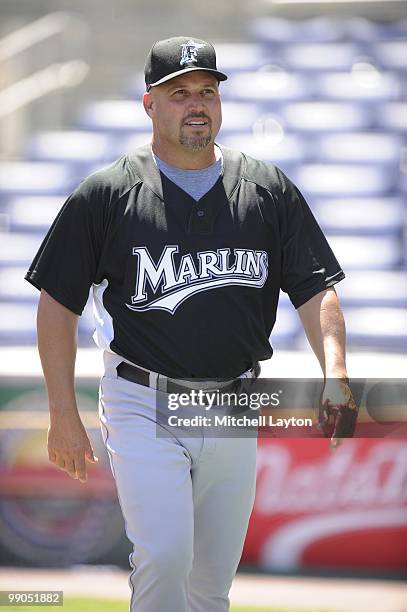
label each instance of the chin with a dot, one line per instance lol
(196, 143)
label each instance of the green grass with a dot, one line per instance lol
(84, 604)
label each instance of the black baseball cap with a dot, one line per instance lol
(173, 56)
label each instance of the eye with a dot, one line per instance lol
(179, 92)
(208, 92)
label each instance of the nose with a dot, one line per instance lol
(196, 103)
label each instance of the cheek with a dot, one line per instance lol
(169, 118)
(217, 115)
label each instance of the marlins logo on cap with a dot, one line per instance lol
(189, 52)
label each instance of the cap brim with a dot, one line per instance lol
(219, 75)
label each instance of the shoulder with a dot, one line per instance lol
(111, 182)
(252, 170)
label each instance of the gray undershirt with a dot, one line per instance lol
(195, 182)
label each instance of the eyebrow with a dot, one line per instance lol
(182, 85)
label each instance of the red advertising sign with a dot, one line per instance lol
(330, 509)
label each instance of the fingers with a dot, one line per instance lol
(74, 464)
(90, 456)
(345, 422)
(80, 467)
(339, 404)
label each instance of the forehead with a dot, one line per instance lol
(195, 78)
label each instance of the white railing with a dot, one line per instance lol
(16, 94)
(29, 35)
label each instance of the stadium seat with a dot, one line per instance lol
(380, 327)
(13, 286)
(346, 179)
(268, 84)
(18, 325)
(34, 213)
(289, 149)
(392, 116)
(35, 177)
(368, 31)
(273, 30)
(391, 54)
(374, 288)
(317, 116)
(70, 145)
(364, 216)
(367, 84)
(238, 116)
(115, 115)
(127, 143)
(236, 57)
(320, 56)
(18, 249)
(360, 147)
(367, 252)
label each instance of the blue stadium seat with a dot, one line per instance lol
(346, 179)
(115, 115)
(360, 147)
(18, 324)
(127, 143)
(34, 213)
(236, 57)
(368, 84)
(70, 145)
(379, 327)
(272, 30)
(18, 249)
(392, 116)
(365, 30)
(374, 288)
(320, 56)
(35, 178)
(367, 252)
(268, 85)
(318, 116)
(288, 149)
(391, 54)
(13, 286)
(363, 216)
(238, 116)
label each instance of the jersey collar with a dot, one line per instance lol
(148, 173)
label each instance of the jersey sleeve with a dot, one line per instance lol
(308, 262)
(66, 262)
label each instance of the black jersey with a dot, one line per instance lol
(187, 289)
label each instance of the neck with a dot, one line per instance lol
(185, 158)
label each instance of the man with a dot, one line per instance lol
(186, 245)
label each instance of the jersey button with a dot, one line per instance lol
(200, 213)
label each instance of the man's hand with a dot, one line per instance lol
(338, 411)
(69, 446)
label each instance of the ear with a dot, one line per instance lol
(148, 103)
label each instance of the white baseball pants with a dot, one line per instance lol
(186, 501)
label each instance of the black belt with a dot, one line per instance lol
(142, 377)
